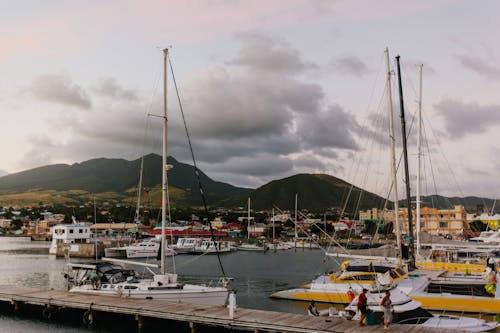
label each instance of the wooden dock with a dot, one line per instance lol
(192, 318)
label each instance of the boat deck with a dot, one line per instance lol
(197, 317)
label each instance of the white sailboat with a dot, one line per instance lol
(114, 280)
(250, 246)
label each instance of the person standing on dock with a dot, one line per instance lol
(312, 309)
(387, 305)
(362, 306)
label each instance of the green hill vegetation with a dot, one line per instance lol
(316, 193)
(111, 180)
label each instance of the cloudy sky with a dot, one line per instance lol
(269, 88)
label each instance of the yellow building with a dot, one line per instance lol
(437, 221)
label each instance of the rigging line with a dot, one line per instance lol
(350, 177)
(196, 170)
(433, 177)
(446, 160)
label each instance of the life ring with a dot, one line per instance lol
(88, 318)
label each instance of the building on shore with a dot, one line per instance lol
(433, 221)
(437, 221)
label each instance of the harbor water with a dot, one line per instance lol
(256, 276)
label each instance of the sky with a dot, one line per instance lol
(269, 88)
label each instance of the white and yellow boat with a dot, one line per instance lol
(354, 276)
(436, 290)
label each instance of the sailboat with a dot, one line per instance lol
(109, 278)
(251, 246)
(434, 290)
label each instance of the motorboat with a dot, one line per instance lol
(187, 244)
(275, 246)
(333, 287)
(209, 246)
(144, 249)
(252, 247)
(409, 312)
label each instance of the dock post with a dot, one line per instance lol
(192, 327)
(17, 306)
(232, 304)
(140, 322)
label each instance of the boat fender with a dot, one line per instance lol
(350, 295)
(88, 318)
(48, 312)
(490, 288)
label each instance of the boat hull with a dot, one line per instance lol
(209, 296)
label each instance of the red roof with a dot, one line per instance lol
(188, 233)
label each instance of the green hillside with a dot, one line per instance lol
(114, 180)
(316, 193)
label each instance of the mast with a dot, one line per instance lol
(393, 156)
(139, 192)
(164, 166)
(248, 222)
(411, 252)
(273, 231)
(296, 235)
(419, 155)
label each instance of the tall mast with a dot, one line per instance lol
(248, 222)
(393, 156)
(411, 252)
(273, 230)
(419, 156)
(164, 165)
(139, 192)
(296, 235)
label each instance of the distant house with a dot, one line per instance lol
(5, 223)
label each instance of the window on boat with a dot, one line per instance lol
(365, 277)
(80, 231)
(367, 268)
(347, 278)
(130, 287)
(393, 274)
(71, 231)
(400, 271)
(414, 316)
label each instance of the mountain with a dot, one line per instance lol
(316, 192)
(470, 203)
(103, 175)
(3, 173)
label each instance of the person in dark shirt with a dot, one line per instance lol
(362, 306)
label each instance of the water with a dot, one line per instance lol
(256, 276)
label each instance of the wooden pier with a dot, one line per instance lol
(148, 314)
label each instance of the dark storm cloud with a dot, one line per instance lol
(59, 89)
(333, 127)
(350, 66)
(462, 118)
(261, 52)
(479, 66)
(250, 122)
(256, 165)
(109, 87)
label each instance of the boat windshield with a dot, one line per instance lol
(414, 316)
(367, 268)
